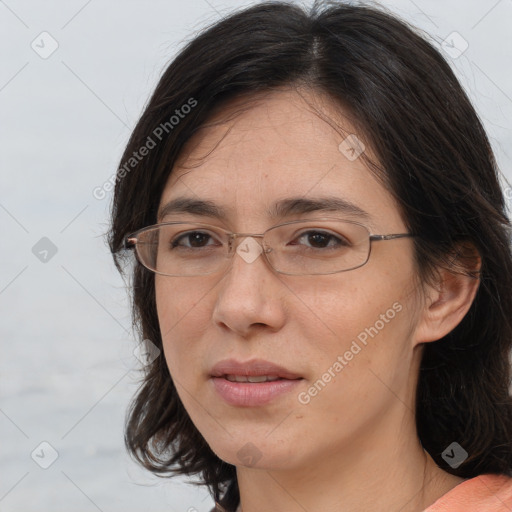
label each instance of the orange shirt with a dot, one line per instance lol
(484, 493)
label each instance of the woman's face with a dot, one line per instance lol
(348, 339)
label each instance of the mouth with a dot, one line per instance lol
(254, 378)
(254, 368)
(253, 383)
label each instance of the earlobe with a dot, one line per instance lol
(447, 303)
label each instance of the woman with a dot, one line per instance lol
(323, 258)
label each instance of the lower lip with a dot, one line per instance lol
(251, 394)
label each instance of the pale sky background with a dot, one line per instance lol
(67, 369)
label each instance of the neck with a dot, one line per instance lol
(383, 469)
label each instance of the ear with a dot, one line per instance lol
(448, 300)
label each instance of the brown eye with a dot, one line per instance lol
(195, 239)
(322, 240)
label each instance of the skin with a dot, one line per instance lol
(354, 446)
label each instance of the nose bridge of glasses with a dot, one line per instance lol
(245, 243)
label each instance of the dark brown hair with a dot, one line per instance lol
(437, 162)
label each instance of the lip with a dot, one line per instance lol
(252, 368)
(248, 394)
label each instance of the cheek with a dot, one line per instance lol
(360, 366)
(349, 307)
(356, 336)
(182, 318)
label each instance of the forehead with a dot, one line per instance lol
(259, 150)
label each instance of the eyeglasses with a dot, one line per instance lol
(300, 247)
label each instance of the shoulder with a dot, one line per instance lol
(484, 493)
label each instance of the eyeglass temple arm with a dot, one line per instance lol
(391, 237)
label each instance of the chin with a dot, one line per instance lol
(252, 451)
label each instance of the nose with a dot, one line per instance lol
(250, 294)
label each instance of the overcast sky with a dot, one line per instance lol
(74, 77)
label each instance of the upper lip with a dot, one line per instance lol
(252, 368)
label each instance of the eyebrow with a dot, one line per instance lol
(279, 210)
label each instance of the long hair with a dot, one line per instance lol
(434, 157)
